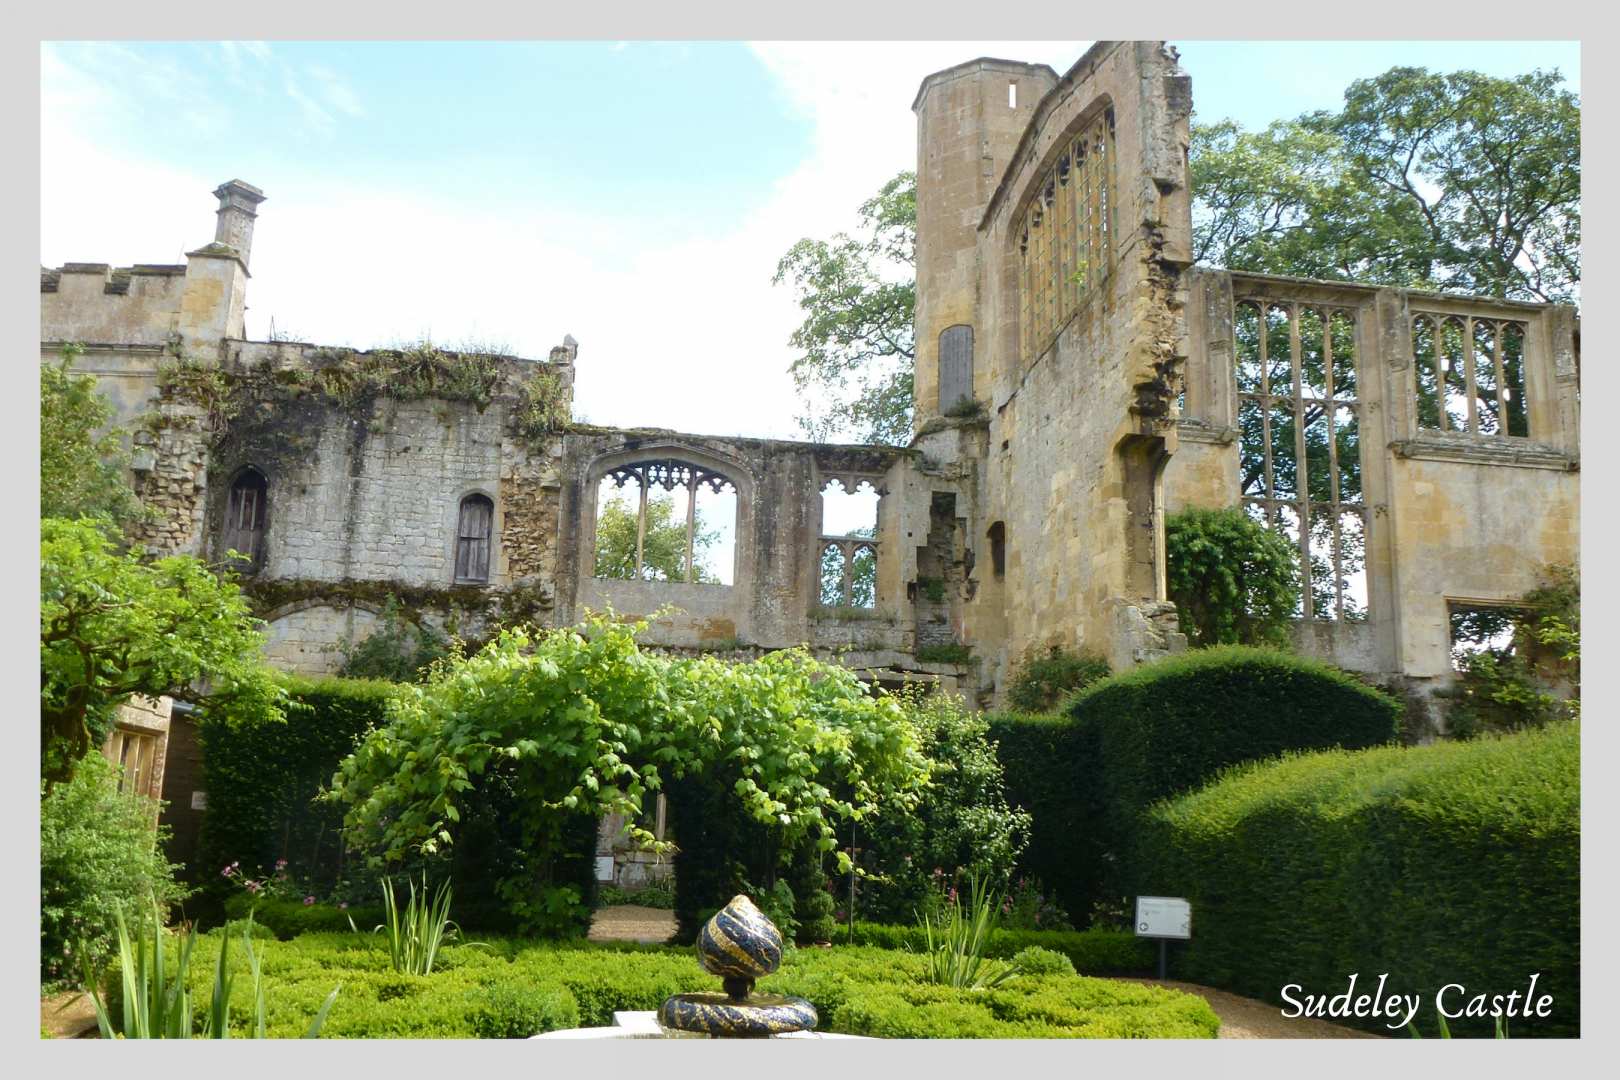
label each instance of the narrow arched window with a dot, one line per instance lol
(246, 513)
(998, 550)
(472, 540)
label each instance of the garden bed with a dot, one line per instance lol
(511, 988)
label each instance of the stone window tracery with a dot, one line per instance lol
(666, 520)
(474, 525)
(847, 561)
(1468, 374)
(1065, 237)
(1299, 424)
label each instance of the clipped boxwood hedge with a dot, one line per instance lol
(1093, 952)
(286, 919)
(1050, 768)
(512, 988)
(1451, 863)
(1122, 743)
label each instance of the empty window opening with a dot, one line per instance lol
(848, 555)
(1296, 381)
(1468, 375)
(473, 527)
(1483, 628)
(246, 514)
(666, 521)
(1065, 237)
(998, 550)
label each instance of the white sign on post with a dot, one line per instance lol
(1163, 917)
(604, 868)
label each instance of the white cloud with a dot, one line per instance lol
(689, 335)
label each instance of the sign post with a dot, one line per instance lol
(1168, 918)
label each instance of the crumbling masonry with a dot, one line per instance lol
(1076, 378)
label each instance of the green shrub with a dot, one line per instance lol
(398, 650)
(1050, 767)
(1233, 580)
(262, 774)
(1451, 863)
(98, 851)
(963, 823)
(1036, 960)
(1092, 952)
(508, 1011)
(1044, 680)
(287, 919)
(517, 987)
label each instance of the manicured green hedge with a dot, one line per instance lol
(262, 774)
(1451, 863)
(512, 988)
(1050, 766)
(1119, 744)
(286, 919)
(1093, 952)
(1169, 726)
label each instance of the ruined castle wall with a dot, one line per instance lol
(1077, 428)
(772, 601)
(94, 303)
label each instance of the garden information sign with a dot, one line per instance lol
(1163, 917)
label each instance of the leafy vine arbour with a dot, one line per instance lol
(580, 722)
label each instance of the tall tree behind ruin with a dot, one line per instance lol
(1459, 182)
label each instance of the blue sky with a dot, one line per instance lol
(635, 195)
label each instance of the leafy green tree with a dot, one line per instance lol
(1518, 667)
(113, 625)
(1456, 181)
(962, 824)
(1234, 581)
(663, 555)
(578, 722)
(81, 457)
(859, 297)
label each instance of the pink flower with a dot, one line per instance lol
(252, 886)
(308, 900)
(280, 863)
(343, 905)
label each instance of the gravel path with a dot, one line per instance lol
(1246, 1018)
(632, 922)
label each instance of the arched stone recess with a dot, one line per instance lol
(496, 560)
(706, 612)
(304, 636)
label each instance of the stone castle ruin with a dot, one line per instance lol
(1077, 377)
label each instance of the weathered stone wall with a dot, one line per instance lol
(94, 303)
(1077, 431)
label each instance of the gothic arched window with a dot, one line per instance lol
(246, 513)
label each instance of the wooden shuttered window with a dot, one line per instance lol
(472, 540)
(246, 513)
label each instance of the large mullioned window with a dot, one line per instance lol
(1469, 375)
(1065, 238)
(666, 520)
(1299, 421)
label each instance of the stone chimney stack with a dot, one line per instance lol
(238, 206)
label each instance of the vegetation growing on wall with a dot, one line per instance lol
(1233, 581)
(1045, 678)
(1531, 679)
(399, 649)
(351, 380)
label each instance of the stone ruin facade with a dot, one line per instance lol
(1077, 377)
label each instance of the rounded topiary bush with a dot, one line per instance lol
(1036, 960)
(1169, 726)
(1451, 863)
